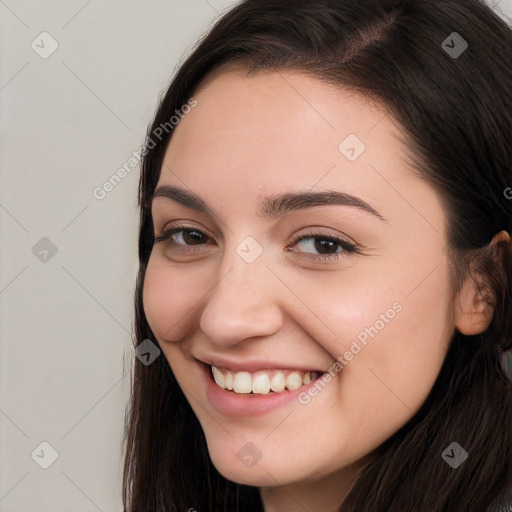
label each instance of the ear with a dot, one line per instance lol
(473, 312)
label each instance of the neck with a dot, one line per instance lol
(321, 495)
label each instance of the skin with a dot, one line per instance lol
(253, 136)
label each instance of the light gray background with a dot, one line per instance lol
(68, 122)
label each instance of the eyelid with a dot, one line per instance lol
(325, 232)
(346, 243)
(348, 246)
(184, 225)
(171, 229)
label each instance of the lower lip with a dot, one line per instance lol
(230, 403)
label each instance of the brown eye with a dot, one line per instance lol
(321, 245)
(189, 236)
(183, 237)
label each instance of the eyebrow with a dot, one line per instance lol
(273, 206)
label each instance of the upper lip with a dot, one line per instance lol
(252, 365)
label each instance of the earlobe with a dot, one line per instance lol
(472, 309)
(473, 313)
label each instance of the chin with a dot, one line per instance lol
(263, 473)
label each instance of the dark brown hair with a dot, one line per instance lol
(455, 113)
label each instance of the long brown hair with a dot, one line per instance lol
(455, 111)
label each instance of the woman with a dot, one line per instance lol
(325, 265)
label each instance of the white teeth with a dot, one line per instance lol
(242, 382)
(228, 380)
(294, 381)
(261, 382)
(218, 377)
(278, 382)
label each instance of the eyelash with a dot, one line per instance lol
(347, 247)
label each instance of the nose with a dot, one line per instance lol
(244, 303)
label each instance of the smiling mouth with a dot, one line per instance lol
(262, 382)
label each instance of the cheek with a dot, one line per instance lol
(392, 344)
(393, 328)
(389, 331)
(394, 315)
(170, 298)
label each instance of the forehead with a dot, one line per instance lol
(253, 136)
(278, 121)
(260, 105)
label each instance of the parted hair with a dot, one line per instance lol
(455, 115)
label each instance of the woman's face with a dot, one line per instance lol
(309, 246)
